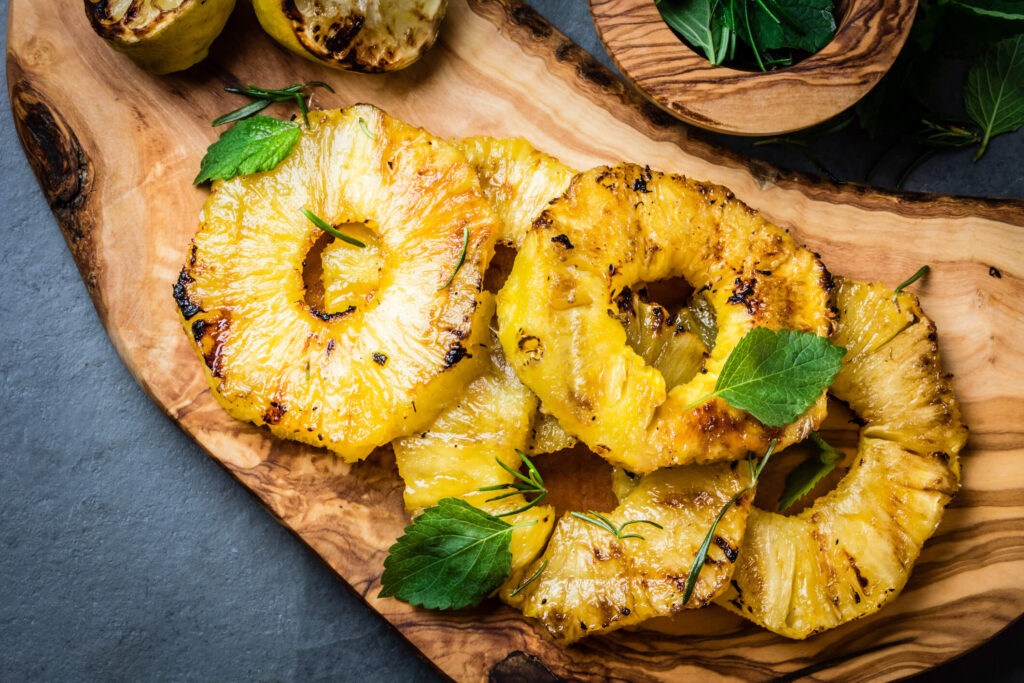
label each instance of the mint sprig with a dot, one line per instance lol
(801, 480)
(256, 144)
(776, 376)
(452, 556)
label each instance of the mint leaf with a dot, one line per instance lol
(692, 20)
(776, 376)
(994, 91)
(806, 25)
(256, 144)
(1000, 9)
(801, 480)
(451, 556)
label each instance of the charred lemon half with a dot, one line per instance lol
(851, 552)
(160, 36)
(370, 36)
(614, 229)
(358, 378)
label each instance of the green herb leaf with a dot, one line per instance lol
(994, 91)
(921, 272)
(252, 145)
(362, 124)
(532, 484)
(330, 229)
(451, 556)
(265, 97)
(462, 257)
(776, 376)
(602, 522)
(1000, 9)
(241, 113)
(801, 480)
(702, 551)
(692, 20)
(530, 580)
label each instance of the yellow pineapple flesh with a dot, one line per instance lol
(852, 551)
(458, 453)
(593, 582)
(619, 226)
(352, 380)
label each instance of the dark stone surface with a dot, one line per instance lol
(127, 554)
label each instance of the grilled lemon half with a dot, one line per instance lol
(161, 36)
(358, 378)
(617, 227)
(852, 551)
(369, 36)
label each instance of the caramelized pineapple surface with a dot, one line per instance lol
(352, 380)
(852, 551)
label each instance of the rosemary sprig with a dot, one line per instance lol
(600, 521)
(462, 258)
(330, 229)
(263, 98)
(702, 551)
(532, 483)
(362, 124)
(921, 272)
(529, 580)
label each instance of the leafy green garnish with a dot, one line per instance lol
(994, 90)
(451, 556)
(602, 522)
(776, 376)
(692, 20)
(774, 30)
(263, 98)
(530, 580)
(921, 272)
(330, 229)
(702, 551)
(801, 480)
(532, 484)
(253, 145)
(1000, 9)
(462, 257)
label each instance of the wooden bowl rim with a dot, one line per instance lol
(826, 82)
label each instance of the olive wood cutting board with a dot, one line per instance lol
(115, 151)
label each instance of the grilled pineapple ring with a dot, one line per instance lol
(851, 552)
(619, 226)
(358, 378)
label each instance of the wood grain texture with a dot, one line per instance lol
(115, 151)
(868, 38)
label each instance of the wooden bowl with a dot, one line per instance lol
(682, 82)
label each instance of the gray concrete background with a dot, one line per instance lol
(127, 554)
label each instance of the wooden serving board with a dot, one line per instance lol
(115, 150)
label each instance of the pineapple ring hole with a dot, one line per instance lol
(339, 276)
(841, 429)
(683, 312)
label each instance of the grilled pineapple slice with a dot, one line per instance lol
(616, 227)
(518, 179)
(851, 552)
(594, 583)
(457, 454)
(161, 36)
(369, 36)
(358, 378)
